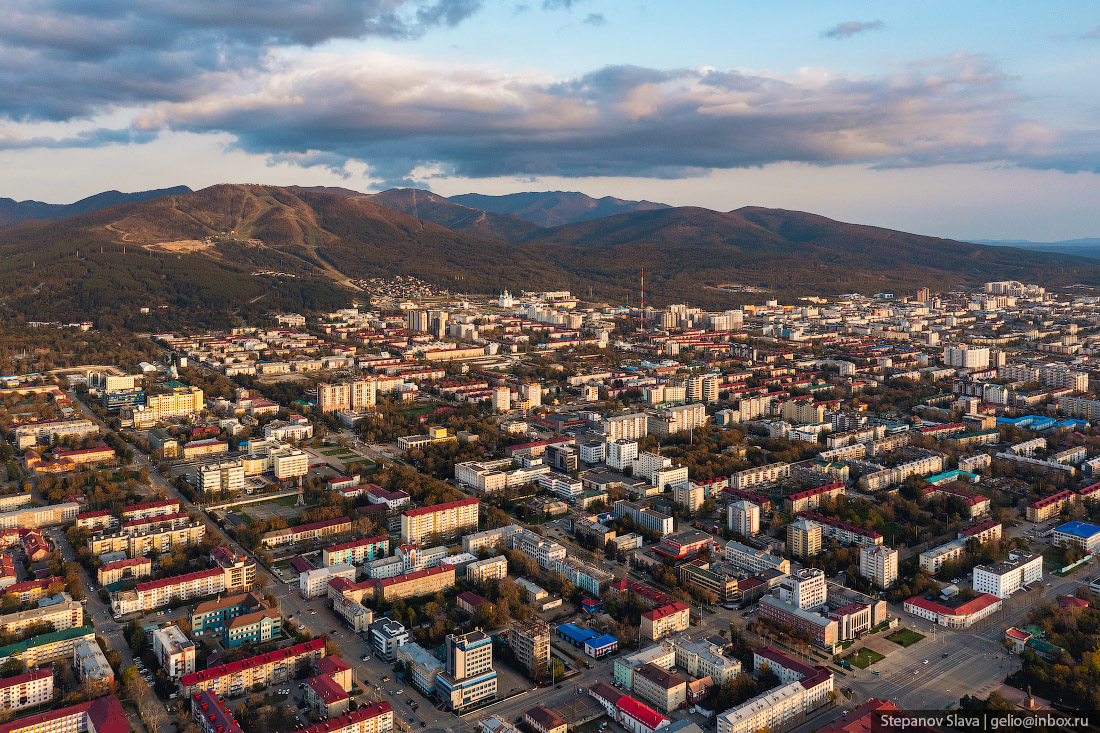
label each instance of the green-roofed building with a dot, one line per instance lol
(1044, 649)
(47, 648)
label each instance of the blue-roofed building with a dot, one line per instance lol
(949, 476)
(1078, 534)
(594, 643)
(574, 634)
(600, 646)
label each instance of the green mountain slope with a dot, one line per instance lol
(200, 257)
(554, 208)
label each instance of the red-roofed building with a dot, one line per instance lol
(469, 602)
(650, 596)
(119, 570)
(211, 714)
(26, 690)
(157, 593)
(93, 521)
(377, 718)
(638, 717)
(327, 697)
(811, 498)
(174, 519)
(450, 519)
(844, 532)
(955, 617)
(34, 544)
(978, 504)
(872, 716)
(392, 499)
(102, 715)
(983, 532)
(1047, 507)
(665, 620)
(31, 591)
(237, 678)
(410, 585)
(151, 509)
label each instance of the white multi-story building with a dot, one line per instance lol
(299, 428)
(754, 560)
(288, 463)
(804, 589)
(493, 568)
(966, 357)
(1005, 578)
(546, 552)
(26, 690)
(314, 583)
(224, 476)
(175, 651)
(760, 475)
(621, 453)
(744, 518)
(490, 539)
(776, 708)
(645, 517)
(632, 426)
(879, 564)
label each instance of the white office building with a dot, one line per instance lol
(1005, 578)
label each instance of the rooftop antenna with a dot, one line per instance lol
(641, 311)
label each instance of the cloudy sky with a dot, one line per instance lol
(968, 120)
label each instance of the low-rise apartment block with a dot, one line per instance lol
(236, 678)
(644, 517)
(1002, 579)
(65, 615)
(450, 519)
(356, 552)
(139, 543)
(306, 532)
(490, 539)
(665, 620)
(26, 690)
(411, 585)
(493, 568)
(158, 593)
(46, 648)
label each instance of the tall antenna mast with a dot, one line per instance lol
(641, 311)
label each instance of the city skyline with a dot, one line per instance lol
(944, 120)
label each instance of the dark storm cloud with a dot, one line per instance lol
(61, 59)
(851, 28)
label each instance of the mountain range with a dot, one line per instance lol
(13, 212)
(197, 257)
(1086, 247)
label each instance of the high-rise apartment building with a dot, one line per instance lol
(744, 518)
(879, 564)
(468, 675)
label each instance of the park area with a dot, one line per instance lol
(905, 637)
(864, 658)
